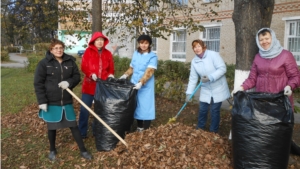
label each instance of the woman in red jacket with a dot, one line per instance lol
(97, 62)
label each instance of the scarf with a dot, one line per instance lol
(275, 47)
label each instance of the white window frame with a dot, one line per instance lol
(171, 46)
(288, 21)
(154, 45)
(89, 17)
(209, 1)
(208, 26)
(180, 3)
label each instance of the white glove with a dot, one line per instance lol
(63, 84)
(187, 98)
(204, 79)
(94, 77)
(240, 88)
(123, 76)
(138, 86)
(111, 75)
(43, 107)
(287, 90)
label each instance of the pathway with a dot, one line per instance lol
(18, 61)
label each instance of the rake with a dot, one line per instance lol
(173, 119)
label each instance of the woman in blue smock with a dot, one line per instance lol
(142, 67)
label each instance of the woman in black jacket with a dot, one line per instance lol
(56, 72)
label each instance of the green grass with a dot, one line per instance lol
(17, 90)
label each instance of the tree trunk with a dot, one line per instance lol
(97, 16)
(248, 16)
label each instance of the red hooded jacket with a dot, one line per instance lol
(94, 62)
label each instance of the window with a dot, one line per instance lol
(292, 38)
(154, 45)
(180, 2)
(88, 17)
(209, 1)
(178, 40)
(211, 37)
(71, 40)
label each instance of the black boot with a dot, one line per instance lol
(52, 155)
(86, 155)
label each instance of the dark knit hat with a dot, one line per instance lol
(145, 37)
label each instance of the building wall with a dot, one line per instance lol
(283, 8)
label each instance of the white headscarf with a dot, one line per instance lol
(275, 47)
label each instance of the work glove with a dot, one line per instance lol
(94, 77)
(187, 98)
(240, 88)
(123, 76)
(43, 107)
(138, 86)
(204, 79)
(287, 90)
(63, 84)
(111, 76)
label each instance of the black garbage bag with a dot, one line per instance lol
(115, 103)
(295, 149)
(262, 127)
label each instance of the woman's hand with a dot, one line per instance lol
(288, 90)
(204, 79)
(43, 107)
(138, 86)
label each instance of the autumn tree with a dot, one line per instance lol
(248, 18)
(127, 19)
(28, 21)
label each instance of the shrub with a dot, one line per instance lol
(230, 75)
(4, 55)
(11, 49)
(33, 61)
(43, 47)
(121, 65)
(171, 77)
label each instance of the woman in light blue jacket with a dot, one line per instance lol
(210, 66)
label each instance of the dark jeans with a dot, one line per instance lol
(214, 115)
(84, 114)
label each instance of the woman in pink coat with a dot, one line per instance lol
(274, 69)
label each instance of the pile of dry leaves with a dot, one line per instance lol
(173, 146)
(167, 146)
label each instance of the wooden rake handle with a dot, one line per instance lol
(97, 117)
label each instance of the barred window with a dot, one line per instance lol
(178, 41)
(293, 38)
(211, 37)
(154, 45)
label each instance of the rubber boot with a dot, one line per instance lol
(52, 155)
(86, 155)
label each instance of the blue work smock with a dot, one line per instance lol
(145, 109)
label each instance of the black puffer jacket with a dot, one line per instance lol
(49, 73)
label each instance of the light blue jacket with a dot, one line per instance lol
(213, 66)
